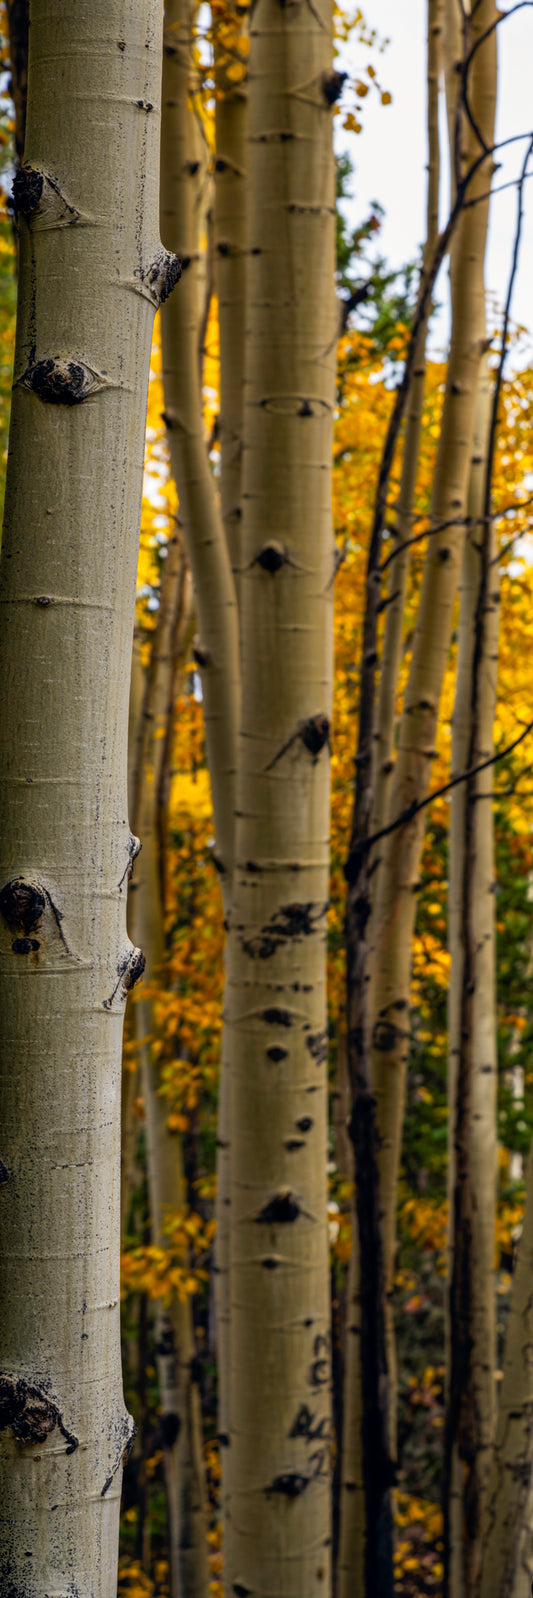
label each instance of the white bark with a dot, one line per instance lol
(280, 1365)
(91, 274)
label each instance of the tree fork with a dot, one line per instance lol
(87, 197)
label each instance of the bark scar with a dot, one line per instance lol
(31, 1413)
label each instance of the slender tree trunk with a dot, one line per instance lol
(400, 852)
(403, 527)
(508, 1550)
(218, 650)
(367, 1442)
(175, 1347)
(472, 1035)
(230, 254)
(280, 1321)
(91, 273)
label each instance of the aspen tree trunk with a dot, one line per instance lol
(507, 1568)
(366, 1473)
(473, 1062)
(400, 852)
(175, 1348)
(230, 270)
(91, 273)
(280, 1338)
(403, 528)
(230, 256)
(218, 651)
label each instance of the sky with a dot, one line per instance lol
(390, 154)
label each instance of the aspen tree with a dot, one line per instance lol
(399, 561)
(472, 1042)
(366, 1477)
(92, 271)
(400, 851)
(175, 1348)
(218, 648)
(279, 1536)
(217, 652)
(230, 267)
(507, 1568)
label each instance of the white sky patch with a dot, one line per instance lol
(390, 154)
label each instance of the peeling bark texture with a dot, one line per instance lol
(472, 1033)
(230, 276)
(278, 1533)
(175, 1346)
(508, 1549)
(400, 855)
(199, 514)
(67, 584)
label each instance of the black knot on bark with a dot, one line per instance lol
(27, 191)
(282, 1208)
(241, 1590)
(305, 1123)
(332, 86)
(315, 733)
(22, 904)
(277, 1053)
(60, 382)
(271, 558)
(202, 656)
(162, 275)
(290, 1484)
(134, 969)
(384, 1036)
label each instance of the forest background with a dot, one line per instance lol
(186, 995)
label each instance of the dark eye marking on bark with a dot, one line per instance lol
(161, 276)
(22, 904)
(290, 923)
(25, 945)
(305, 1123)
(277, 1053)
(130, 971)
(317, 1043)
(58, 381)
(384, 1035)
(4, 1173)
(294, 1143)
(283, 1207)
(126, 1432)
(277, 1017)
(290, 1484)
(144, 105)
(271, 558)
(332, 86)
(241, 1590)
(31, 1413)
(270, 1262)
(28, 186)
(314, 734)
(39, 199)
